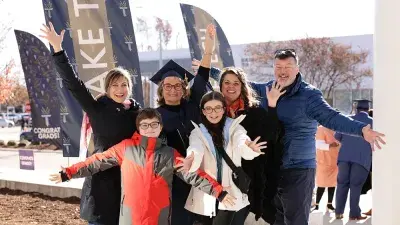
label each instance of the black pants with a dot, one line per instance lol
(293, 199)
(223, 217)
(320, 193)
(180, 192)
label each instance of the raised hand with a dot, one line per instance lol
(256, 147)
(185, 163)
(274, 93)
(373, 137)
(209, 43)
(52, 37)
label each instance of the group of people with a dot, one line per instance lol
(202, 156)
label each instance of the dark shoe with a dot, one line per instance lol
(358, 218)
(314, 207)
(369, 213)
(330, 207)
(339, 216)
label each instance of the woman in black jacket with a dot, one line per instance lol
(112, 119)
(241, 100)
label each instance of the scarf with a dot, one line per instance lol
(233, 109)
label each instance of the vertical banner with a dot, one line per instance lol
(70, 110)
(40, 81)
(196, 21)
(99, 36)
(124, 43)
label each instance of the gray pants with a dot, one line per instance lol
(293, 199)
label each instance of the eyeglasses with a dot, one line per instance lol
(217, 109)
(169, 87)
(286, 51)
(145, 126)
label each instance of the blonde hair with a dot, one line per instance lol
(247, 93)
(160, 97)
(116, 73)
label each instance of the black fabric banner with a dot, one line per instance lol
(196, 21)
(41, 83)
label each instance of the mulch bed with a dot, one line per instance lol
(21, 208)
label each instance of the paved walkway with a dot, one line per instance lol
(48, 162)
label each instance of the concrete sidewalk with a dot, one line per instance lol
(49, 162)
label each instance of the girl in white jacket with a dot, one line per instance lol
(218, 132)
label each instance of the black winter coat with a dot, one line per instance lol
(111, 123)
(264, 169)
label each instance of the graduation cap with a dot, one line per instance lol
(362, 103)
(171, 69)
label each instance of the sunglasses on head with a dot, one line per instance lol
(286, 51)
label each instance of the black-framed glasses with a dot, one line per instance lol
(286, 51)
(217, 109)
(177, 87)
(145, 126)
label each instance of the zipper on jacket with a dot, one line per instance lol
(180, 136)
(156, 164)
(122, 205)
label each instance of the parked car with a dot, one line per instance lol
(6, 123)
(10, 116)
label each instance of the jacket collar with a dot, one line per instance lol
(362, 114)
(144, 141)
(108, 101)
(294, 88)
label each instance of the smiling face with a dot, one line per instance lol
(213, 110)
(231, 87)
(118, 89)
(285, 71)
(172, 90)
(150, 127)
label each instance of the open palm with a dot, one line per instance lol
(274, 93)
(49, 33)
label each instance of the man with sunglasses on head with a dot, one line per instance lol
(301, 109)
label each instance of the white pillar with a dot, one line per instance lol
(386, 163)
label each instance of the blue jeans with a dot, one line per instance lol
(293, 199)
(351, 177)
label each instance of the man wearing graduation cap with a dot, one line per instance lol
(179, 106)
(354, 162)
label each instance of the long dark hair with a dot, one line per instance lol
(247, 93)
(216, 130)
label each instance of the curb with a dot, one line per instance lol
(34, 150)
(52, 191)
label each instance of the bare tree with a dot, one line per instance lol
(5, 26)
(7, 81)
(165, 28)
(143, 27)
(323, 63)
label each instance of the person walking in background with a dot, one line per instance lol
(354, 162)
(327, 170)
(368, 183)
